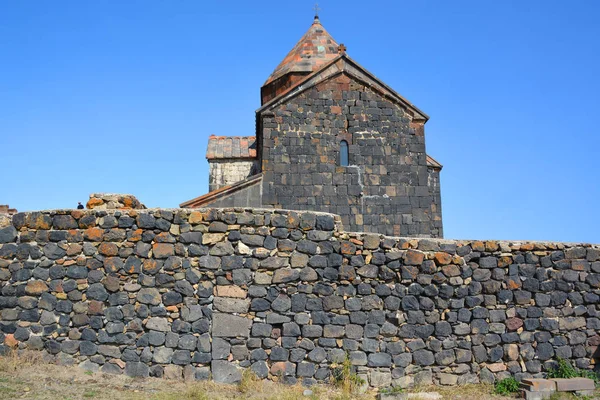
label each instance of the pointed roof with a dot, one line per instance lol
(343, 64)
(313, 50)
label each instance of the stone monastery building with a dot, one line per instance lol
(331, 137)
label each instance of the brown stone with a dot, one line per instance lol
(512, 351)
(212, 238)
(442, 258)
(164, 237)
(573, 384)
(39, 221)
(195, 217)
(135, 236)
(95, 307)
(128, 202)
(413, 257)
(347, 248)
(10, 341)
(278, 368)
(539, 385)
(451, 270)
(478, 246)
(497, 367)
(93, 234)
(504, 261)
(231, 291)
(74, 235)
(111, 283)
(162, 250)
(151, 267)
(513, 283)
(108, 249)
(77, 214)
(94, 202)
(527, 246)
(491, 246)
(35, 288)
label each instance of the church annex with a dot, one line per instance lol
(331, 137)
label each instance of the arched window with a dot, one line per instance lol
(344, 153)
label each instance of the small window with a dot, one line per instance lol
(344, 153)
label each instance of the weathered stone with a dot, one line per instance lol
(225, 325)
(225, 372)
(230, 305)
(158, 324)
(285, 275)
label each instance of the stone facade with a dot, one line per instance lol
(225, 172)
(200, 293)
(386, 186)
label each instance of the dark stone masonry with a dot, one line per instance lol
(331, 137)
(203, 293)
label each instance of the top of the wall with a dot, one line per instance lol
(305, 220)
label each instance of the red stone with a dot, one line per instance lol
(514, 323)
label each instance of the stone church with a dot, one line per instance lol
(331, 137)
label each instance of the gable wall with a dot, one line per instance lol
(225, 172)
(384, 189)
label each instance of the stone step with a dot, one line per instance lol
(538, 385)
(573, 384)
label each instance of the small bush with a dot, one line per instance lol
(343, 377)
(564, 369)
(506, 386)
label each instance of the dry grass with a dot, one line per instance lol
(27, 376)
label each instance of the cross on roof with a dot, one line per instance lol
(316, 8)
(341, 48)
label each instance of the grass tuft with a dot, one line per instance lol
(345, 378)
(506, 386)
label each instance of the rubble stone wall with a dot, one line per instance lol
(202, 293)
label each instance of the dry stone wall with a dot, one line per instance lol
(204, 293)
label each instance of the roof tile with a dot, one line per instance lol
(312, 51)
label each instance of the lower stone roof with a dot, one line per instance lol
(223, 147)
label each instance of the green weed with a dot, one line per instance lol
(506, 386)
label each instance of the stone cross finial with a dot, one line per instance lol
(316, 8)
(341, 48)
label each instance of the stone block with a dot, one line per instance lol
(538, 385)
(573, 384)
(529, 395)
(226, 325)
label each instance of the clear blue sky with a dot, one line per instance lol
(121, 96)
